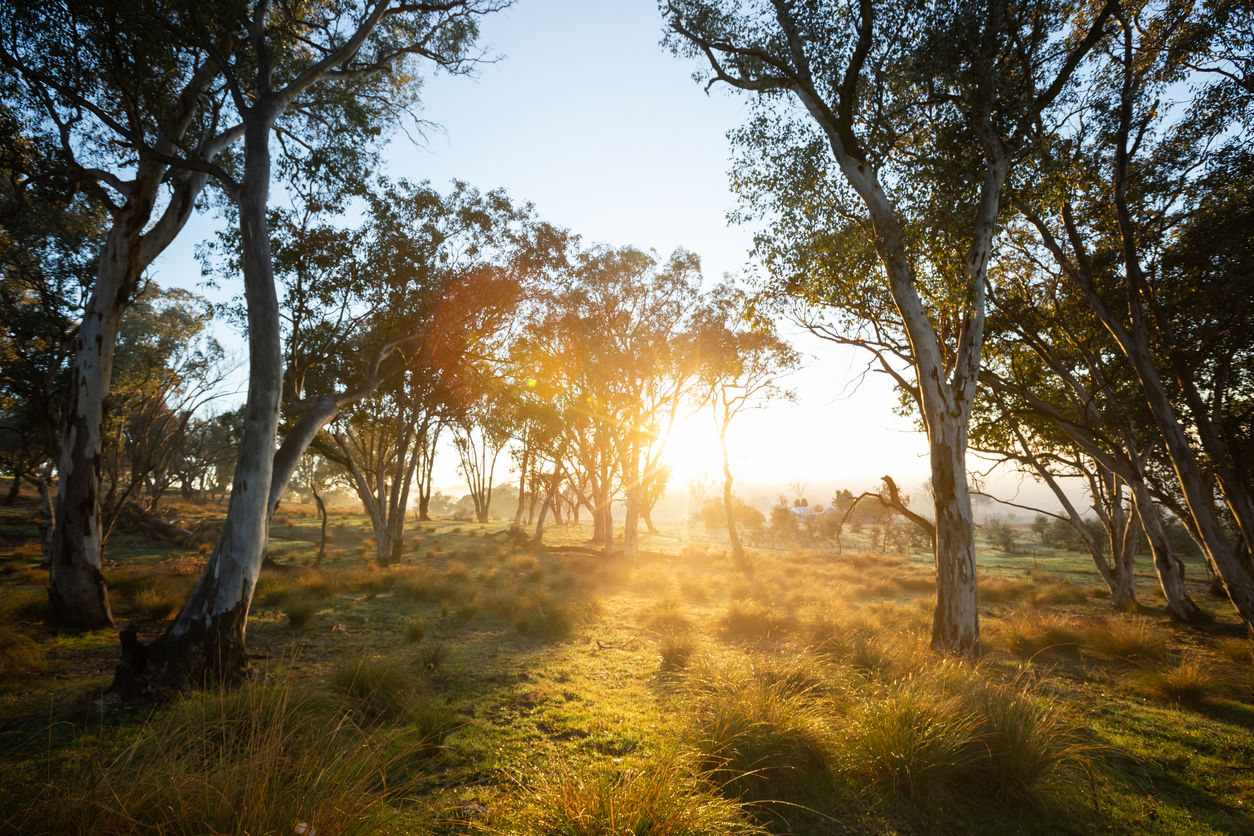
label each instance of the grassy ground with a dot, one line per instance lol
(478, 689)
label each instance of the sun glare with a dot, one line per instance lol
(692, 448)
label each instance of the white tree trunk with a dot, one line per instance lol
(206, 641)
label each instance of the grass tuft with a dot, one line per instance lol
(299, 614)
(259, 759)
(382, 691)
(667, 798)
(1189, 682)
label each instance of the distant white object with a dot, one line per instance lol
(304, 828)
(802, 510)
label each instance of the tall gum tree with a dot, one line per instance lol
(1117, 212)
(351, 58)
(128, 96)
(943, 116)
(741, 367)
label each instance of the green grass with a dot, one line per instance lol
(470, 689)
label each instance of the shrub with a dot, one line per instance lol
(1000, 534)
(667, 798)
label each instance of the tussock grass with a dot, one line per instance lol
(948, 729)
(758, 736)
(1050, 590)
(675, 651)
(667, 617)
(419, 583)
(996, 590)
(380, 691)
(1239, 651)
(1029, 635)
(19, 653)
(665, 798)
(22, 604)
(523, 564)
(553, 618)
(158, 598)
(415, 629)
(299, 613)
(1132, 639)
(751, 620)
(1188, 682)
(260, 759)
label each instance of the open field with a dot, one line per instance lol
(480, 689)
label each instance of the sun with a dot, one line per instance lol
(692, 449)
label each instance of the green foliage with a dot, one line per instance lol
(1000, 534)
(713, 516)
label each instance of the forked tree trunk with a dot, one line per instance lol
(206, 641)
(1170, 571)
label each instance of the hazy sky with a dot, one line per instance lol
(589, 118)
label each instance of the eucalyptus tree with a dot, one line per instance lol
(340, 73)
(619, 332)
(49, 235)
(741, 367)
(883, 137)
(1059, 398)
(126, 94)
(1159, 167)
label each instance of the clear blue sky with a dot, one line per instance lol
(589, 118)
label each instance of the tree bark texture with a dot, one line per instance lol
(206, 642)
